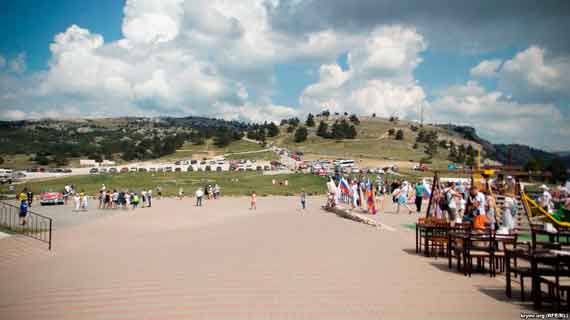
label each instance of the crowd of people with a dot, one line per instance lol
(209, 192)
(123, 199)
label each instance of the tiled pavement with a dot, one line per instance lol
(222, 261)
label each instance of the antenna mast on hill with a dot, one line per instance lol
(422, 114)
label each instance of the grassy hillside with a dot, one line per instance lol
(373, 143)
(208, 149)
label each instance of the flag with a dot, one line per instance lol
(343, 186)
(370, 197)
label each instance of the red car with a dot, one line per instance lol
(50, 197)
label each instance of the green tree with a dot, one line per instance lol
(223, 137)
(61, 160)
(400, 134)
(294, 121)
(557, 169)
(301, 134)
(310, 120)
(431, 149)
(352, 133)
(391, 132)
(325, 113)
(354, 119)
(272, 130)
(323, 130)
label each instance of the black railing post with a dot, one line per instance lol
(49, 245)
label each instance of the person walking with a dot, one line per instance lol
(149, 197)
(135, 200)
(420, 192)
(77, 201)
(159, 192)
(23, 211)
(199, 196)
(402, 197)
(303, 199)
(180, 193)
(253, 201)
(30, 196)
(84, 200)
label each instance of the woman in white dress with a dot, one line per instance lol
(509, 211)
(77, 201)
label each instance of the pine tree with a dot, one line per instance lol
(301, 134)
(323, 130)
(400, 135)
(310, 120)
(272, 130)
(354, 119)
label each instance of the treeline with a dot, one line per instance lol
(338, 130)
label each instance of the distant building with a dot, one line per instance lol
(87, 163)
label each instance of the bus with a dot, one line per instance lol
(343, 163)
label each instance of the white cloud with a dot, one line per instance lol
(534, 75)
(486, 68)
(379, 79)
(11, 114)
(501, 119)
(18, 64)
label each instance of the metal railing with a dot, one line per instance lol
(37, 226)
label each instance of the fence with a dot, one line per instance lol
(37, 226)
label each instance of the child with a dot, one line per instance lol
(23, 211)
(84, 201)
(77, 201)
(253, 201)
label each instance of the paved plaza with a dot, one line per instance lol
(223, 261)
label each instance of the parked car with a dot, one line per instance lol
(421, 167)
(93, 170)
(193, 161)
(152, 169)
(208, 168)
(142, 170)
(168, 169)
(177, 169)
(67, 170)
(103, 170)
(113, 170)
(219, 169)
(133, 169)
(124, 169)
(50, 197)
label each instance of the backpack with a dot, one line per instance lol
(443, 203)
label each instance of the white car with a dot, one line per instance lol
(355, 170)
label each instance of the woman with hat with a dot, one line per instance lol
(545, 200)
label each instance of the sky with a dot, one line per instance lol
(502, 67)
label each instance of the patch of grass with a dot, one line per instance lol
(208, 149)
(265, 155)
(20, 230)
(189, 181)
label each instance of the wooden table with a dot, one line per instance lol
(536, 258)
